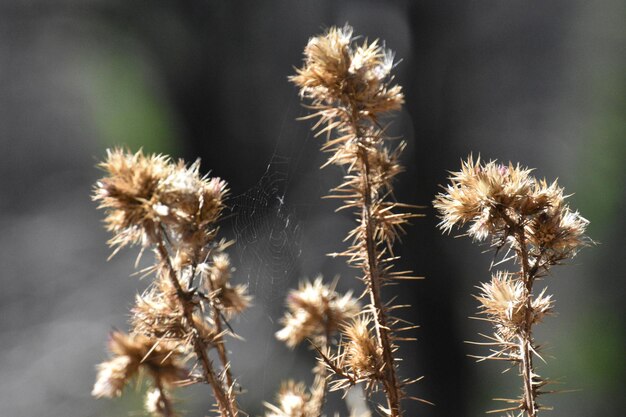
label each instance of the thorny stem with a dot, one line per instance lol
(371, 270)
(525, 338)
(224, 400)
(221, 349)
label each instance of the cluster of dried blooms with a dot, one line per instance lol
(349, 86)
(530, 219)
(315, 312)
(170, 208)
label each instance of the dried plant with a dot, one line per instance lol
(315, 312)
(293, 401)
(168, 207)
(529, 218)
(349, 87)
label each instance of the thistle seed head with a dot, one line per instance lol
(497, 199)
(141, 192)
(129, 194)
(361, 354)
(130, 352)
(293, 401)
(315, 310)
(158, 315)
(337, 74)
(216, 276)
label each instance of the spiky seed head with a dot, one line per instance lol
(158, 315)
(129, 195)
(130, 352)
(503, 300)
(216, 275)
(558, 232)
(337, 72)
(293, 401)
(492, 198)
(315, 310)
(478, 192)
(192, 205)
(141, 192)
(361, 353)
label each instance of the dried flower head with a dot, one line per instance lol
(483, 194)
(337, 72)
(216, 277)
(190, 206)
(130, 352)
(129, 194)
(505, 301)
(293, 401)
(496, 200)
(142, 192)
(315, 310)
(361, 354)
(558, 233)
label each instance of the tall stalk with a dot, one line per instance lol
(515, 212)
(349, 88)
(372, 277)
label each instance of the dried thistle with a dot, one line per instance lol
(507, 206)
(359, 355)
(216, 281)
(293, 401)
(315, 311)
(132, 353)
(171, 208)
(349, 87)
(129, 195)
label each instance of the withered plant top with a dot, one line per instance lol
(498, 201)
(349, 86)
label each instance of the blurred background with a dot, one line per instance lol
(540, 83)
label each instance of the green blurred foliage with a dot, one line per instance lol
(127, 110)
(595, 362)
(602, 177)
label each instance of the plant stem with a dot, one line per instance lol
(221, 349)
(224, 401)
(525, 337)
(371, 269)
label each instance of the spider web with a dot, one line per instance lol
(267, 233)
